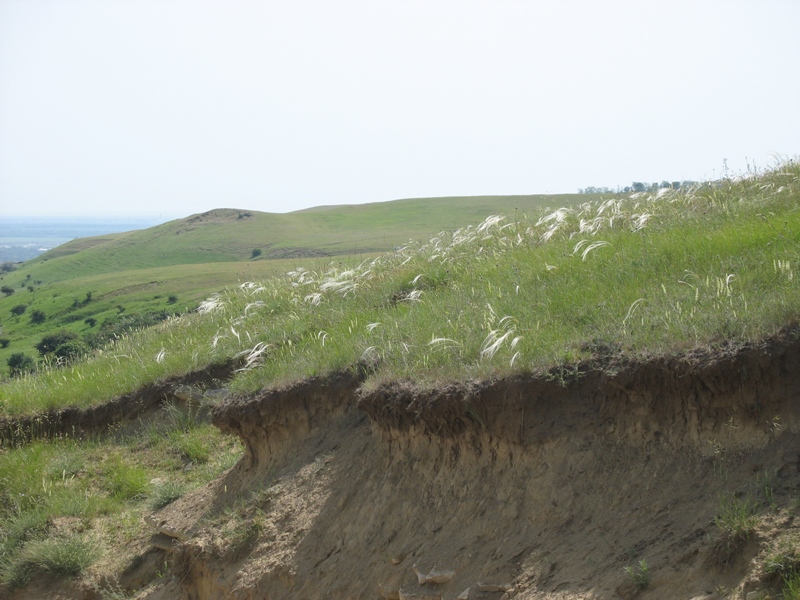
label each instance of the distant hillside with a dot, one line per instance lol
(231, 235)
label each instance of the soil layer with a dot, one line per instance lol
(611, 480)
(529, 487)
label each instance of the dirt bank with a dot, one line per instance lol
(530, 487)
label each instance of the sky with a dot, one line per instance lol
(174, 107)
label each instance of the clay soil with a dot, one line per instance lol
(536, 486)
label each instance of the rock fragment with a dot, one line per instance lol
(495, 587)
(436, 575)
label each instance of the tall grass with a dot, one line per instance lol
(62, 501)
(647, 273)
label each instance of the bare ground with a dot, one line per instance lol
(543, 486)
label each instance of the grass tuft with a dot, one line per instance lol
(639, 575)
(736, 518)
(125, 480)
(58, 556)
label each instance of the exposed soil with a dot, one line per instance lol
(541, 486)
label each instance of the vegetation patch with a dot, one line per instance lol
(639, 575)
(55, 556)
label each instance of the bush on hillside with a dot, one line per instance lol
(52, 341)
(19, 363)
(71, 350)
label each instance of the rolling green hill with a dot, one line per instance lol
(620, 332)
(169, 268)
(230, 235)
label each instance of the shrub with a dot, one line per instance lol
(19, 363)
(4, 342)
(256, 253)
(91, 321)
(71, 349)
(38, 316)
(7, 267)
(172, 299)
(19, 309)
(7, 290)
(52, 341)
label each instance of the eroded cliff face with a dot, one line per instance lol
(530, 487)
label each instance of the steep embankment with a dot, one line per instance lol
(529, 487)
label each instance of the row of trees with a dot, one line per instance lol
(638, 186)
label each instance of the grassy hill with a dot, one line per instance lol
(230, 235)
(170, 268)
(536, 297)
(648, 273)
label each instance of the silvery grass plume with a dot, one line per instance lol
(250, 287)
(253, 356)
(212, 304)
(256, 304)
(490, 238)
(589, 248)
(412, 296)
(442, 343)
(500, 336)
(784, 267)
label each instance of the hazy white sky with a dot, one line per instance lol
(178, 106)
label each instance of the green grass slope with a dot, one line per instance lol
(170, 268)
(645, 274)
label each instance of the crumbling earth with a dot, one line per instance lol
(607, 481)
